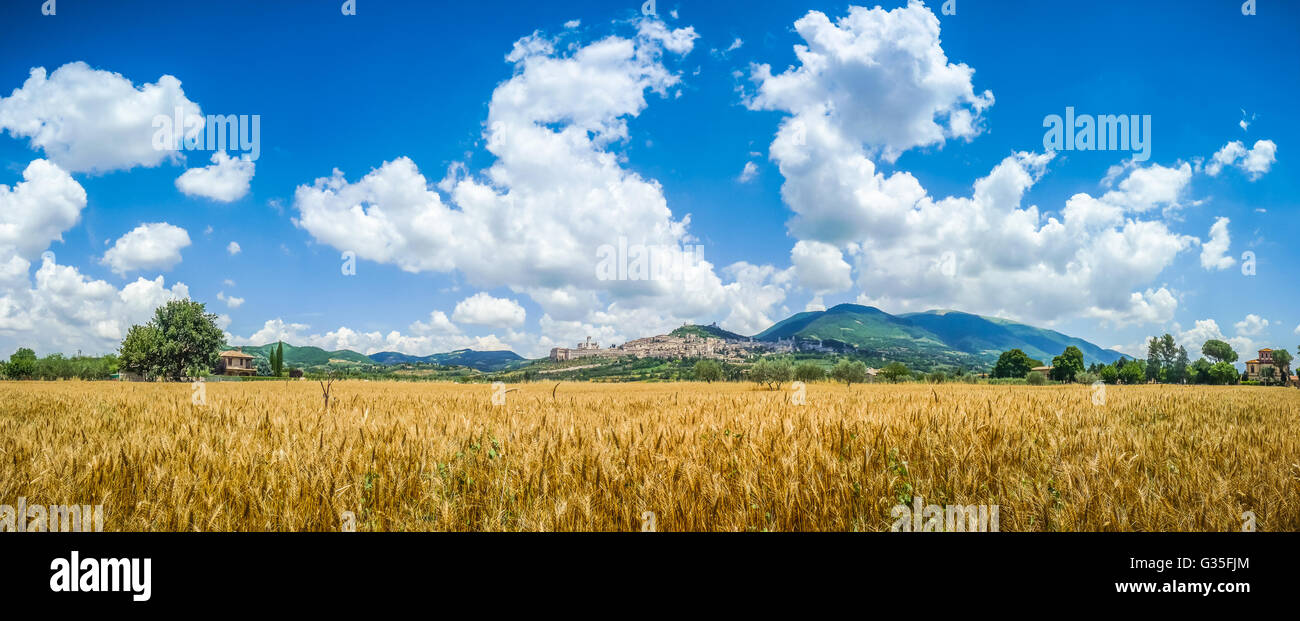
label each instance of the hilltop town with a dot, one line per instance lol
(705, 342)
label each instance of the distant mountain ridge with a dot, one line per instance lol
(936, 333)
(493, 360)
(308, 356)
(937, 337)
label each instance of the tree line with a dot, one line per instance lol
(1166, 363)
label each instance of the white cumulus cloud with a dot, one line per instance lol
(876, 83)
(89, 120)
(154, 245)
(1255, 162)
(484, 310)
(37, 210)
(231, 301)
(1214, 252)
(226, 180)
(552, 200)
(916, 97)
(821, 267)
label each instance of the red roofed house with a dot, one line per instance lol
(236, 362)
(1255, 368)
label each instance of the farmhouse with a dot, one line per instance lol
(236, 362)
(1255, 368)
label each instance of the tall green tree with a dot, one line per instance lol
(1178, 370)
(1068, 365)
(139, 351)
(1132, 373)
(181, 340)
(22, 364)
(1199, 372)
(1219, 351)
(189, 339)
(1282, 359)
(1224, 373)
(277, 359)
(1014, 363)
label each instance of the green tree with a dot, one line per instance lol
(22, 364)
(1178, 370)
(139, 351)
(771, 372)
(277, 359)
(708, 371)
(1223, 373)
(895, 372)
(189, 339)
(1132, 373)
(54, 367)
(809, 372)
(1067, 365)
(1269, 375)
(181, 339)
(849, 372)
(1110, 374)
(1219, 351)
(937, 377)
(1199, 372)
(1014, 363)
(1034, 378)
(1282, 359)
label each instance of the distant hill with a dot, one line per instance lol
(480, 360)
(308, 357)
(939, 335)
(992, 336)
(707, 331)
(302, 357)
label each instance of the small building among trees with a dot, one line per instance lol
(236, 362)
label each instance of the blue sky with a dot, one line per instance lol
(611, 123)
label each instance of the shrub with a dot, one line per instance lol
(809, 372)
(771, 372)
(708, 371)
(1035, 378)
(895, 372)
(849, 371)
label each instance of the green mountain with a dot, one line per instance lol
(941, 337)
(992, 336)
(302, 357)
(487, 361)
(707, 331)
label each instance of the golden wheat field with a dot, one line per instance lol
(266, 456)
